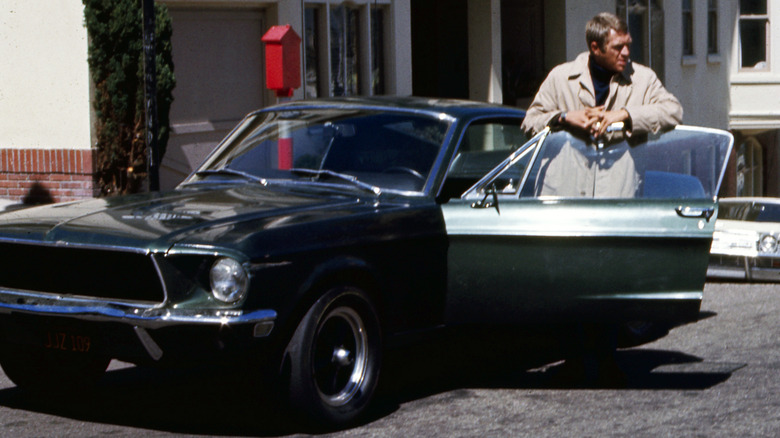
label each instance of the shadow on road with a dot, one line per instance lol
(214, 401)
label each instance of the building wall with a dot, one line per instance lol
(755, 95)
(700, 81)
(45, 100)
(45, 108)
(754, 113)
(484, 50)
(578, 13)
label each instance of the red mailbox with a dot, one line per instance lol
(282, 60)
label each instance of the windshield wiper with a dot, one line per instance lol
(232, 172)
(342, 176)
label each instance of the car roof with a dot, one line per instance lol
(453, 107)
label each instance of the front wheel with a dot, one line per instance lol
(334, 357)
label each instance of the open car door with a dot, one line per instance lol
(565, 230)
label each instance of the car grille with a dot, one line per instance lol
(79, 271)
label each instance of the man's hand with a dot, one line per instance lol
(584, 119)
(607, 118)
(594, 120)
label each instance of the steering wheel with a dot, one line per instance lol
(404, 169)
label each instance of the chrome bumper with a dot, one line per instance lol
(743, 268)
(140, 316)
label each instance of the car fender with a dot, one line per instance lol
(340, 270)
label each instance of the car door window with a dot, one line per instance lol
(484, 145)
(683, 163)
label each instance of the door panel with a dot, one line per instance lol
(574, 259)
(517, 254)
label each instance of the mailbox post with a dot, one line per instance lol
(282, 60)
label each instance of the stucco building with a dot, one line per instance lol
(718, 56)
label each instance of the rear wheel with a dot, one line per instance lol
(334, 357)
(38, 369)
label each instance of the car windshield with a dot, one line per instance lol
(368, 150)
(686, 162)
(749, 211)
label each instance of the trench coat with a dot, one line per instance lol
(637, 89)
(573, 172)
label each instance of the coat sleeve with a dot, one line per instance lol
(659, 109)
(545, 107)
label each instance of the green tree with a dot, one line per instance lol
(115, 29)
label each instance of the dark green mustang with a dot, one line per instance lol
(318, 233)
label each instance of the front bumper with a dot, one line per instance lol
(744, 268)
(143, 319)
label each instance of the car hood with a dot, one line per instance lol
(156, 221)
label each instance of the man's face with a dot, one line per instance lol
(616, 51)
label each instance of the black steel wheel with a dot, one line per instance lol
(41, 370)
(334, 358)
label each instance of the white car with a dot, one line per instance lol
(745, 242)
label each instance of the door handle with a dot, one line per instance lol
(695, 212)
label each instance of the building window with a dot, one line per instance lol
(712, 27)
(345, 48)
(344, 58)
(753, 33)
(645, 20)
(311, 50)
(687, 30)
(378, 50)
(750, 169)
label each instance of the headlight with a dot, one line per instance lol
(768, 243)
(229, 280)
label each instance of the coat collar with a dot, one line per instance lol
(581, 72)
(580, 69)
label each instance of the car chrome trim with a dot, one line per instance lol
(695, 212)
(534, 142)
(157, 269)
(693, 295)
(764, 274)
(63, 244)
(151, 347)
(726, 272)
(137, 314)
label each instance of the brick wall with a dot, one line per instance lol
(34, 176)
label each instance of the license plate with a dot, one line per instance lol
(67, 341)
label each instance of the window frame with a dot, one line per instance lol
(741, 18)
(652, 38)
(371, 62)
(750, 155)
(688, 29)
(713, 40)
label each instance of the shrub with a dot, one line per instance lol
(115, 29)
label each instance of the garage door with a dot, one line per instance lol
(219, 68)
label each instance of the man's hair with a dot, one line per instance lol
(599, 26)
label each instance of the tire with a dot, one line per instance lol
(41, 370)
(334, 358)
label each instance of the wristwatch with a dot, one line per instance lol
(562, 117)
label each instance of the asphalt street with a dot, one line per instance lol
(719, 377)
